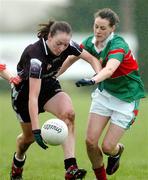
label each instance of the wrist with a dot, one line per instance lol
(36, 131)
(10, 80)
(93, 81)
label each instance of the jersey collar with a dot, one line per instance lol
(45, 46)
(110, 37)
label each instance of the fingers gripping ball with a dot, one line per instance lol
(54, 132)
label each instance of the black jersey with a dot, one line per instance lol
(38, 61)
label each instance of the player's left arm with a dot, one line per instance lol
(67, 63)
(92, 60)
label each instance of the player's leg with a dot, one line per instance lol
(112, 147)
(98, 119)
(96, 125)
(24, 140)
(121, 119)
(61, 106)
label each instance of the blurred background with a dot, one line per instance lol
(19, 21)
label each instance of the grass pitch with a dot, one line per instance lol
(48, 164)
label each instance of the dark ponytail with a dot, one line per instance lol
(52, 27)
(45, 29)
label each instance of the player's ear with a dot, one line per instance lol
(113, 28)
(49, 37)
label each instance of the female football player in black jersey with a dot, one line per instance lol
(40, 91)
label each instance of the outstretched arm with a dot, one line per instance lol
(93, 61)
(67, 63)
(34, 90)
(105, 73)
(4, 73)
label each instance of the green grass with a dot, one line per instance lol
(48, 165)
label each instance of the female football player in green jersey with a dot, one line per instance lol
(115, 101)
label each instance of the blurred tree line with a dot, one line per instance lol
(133, 19)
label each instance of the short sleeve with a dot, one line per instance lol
(87, 44)
(76, 50)
(35, 68)
(118, 50)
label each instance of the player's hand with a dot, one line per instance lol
(85, 82)
(15, 80)
(2, 67)
(38, 138)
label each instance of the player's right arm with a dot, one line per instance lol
(34, 90)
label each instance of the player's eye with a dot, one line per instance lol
(96, 26)
(59, 44)
(103, 28)
(66, 45)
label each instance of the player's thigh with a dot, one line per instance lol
(58, 104)
(95, 127)
(113, 135)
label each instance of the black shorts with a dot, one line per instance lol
(20, 97)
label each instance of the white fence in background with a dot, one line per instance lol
(12, 46)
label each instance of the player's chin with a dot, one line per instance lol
(57, 53)
(100, 38)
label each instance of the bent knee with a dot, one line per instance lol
(28, 139)
(68, 116)
(107, 147)
(91, 142)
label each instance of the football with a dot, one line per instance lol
(54, 132)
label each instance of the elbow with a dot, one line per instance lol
(33, 101)
(110, 72)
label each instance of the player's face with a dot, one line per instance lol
(102, 29)
(59, 42)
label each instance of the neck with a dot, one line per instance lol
(47, 43)
(102, 44)
(99, 44)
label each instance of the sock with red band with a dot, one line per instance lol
(100, 173)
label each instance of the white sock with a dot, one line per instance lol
(19, 159)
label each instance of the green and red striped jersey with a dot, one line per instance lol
(125, 83)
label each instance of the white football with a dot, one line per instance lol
(54, 131)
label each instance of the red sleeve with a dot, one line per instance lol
(2, 67)
(82, 46)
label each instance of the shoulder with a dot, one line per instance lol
(74, 48)
(74, 44)
(88, 41)
(118, 42)
(31, 49)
